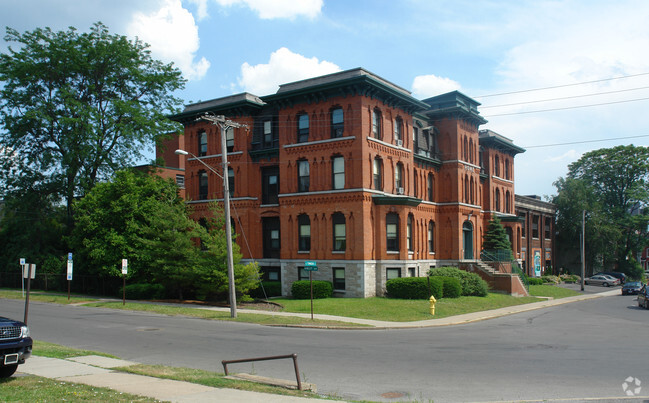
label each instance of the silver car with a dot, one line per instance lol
(602, 279)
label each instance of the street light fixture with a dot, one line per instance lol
(224, 125)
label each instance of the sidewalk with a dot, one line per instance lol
(98, 371)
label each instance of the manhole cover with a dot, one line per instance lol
(392, 395)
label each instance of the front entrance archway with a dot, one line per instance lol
(467, 237)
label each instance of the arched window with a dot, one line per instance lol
(337, 122)
(430, 186)
(338, 172)
(303, 176)
(231, 181)
(229, 139)
(398, 178)
(471, 188)
(392, 232)
(508, 205)
(409, 234)
(431, 237)
(507, 169)
(202, 143)
(303, 128)
(466, 189)
(202, 185)
(304, 231)
(339, 231)
(377, 173)
(398, 131)
(497, 199)
(496, 166)
(465, 150)
(376, 124)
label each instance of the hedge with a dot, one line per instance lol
(301, 289)
(452, 287)
(535, 281)
(144, 291)
(272, 288)
(414, 287)
(471, 283)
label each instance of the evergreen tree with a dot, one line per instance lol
(495, 239)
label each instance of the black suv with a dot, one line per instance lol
(15, 346)
(616, 274)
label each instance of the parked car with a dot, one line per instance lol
(616, 274)
(643, 297)
(15, 345)
(631, 288)
(602, 279)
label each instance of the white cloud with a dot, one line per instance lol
(201, 8)
(431, 85)
(283, 67)
(271, 9)
(173, 35)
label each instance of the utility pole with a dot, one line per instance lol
(583, 248)
(224, 124)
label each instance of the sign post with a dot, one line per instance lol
(124, 272)
(29, 273)
(311, 266)
(22, 270)
(69, 273)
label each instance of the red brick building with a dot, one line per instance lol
(351, 171)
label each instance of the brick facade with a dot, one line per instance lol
(351, 171)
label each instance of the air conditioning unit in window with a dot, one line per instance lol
(399, 143)
(399, 191)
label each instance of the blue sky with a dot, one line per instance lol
(559, 78)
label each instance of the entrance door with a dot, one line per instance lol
(467, 231)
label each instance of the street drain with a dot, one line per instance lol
(392, 395)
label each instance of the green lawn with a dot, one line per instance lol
(401, 310)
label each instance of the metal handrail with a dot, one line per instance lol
(499, 257)
(275, 357)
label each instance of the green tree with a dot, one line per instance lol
(611, 185)
(495, 239)
(139, 217)
(213, 270)
(75, 107)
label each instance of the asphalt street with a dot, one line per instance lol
(580, 350)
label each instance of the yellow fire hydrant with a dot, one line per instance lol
(432, 305)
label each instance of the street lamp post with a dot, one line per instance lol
(224, 125)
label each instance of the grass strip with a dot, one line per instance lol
(32, 388)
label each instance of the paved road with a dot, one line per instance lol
(574, 351)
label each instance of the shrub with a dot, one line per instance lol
(321, 289)
(550, 279)
(451, 287)
(144, 291)
(414, 287)
(534, 281)
(471, 283)
(272, 288)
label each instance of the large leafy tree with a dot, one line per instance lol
(75, 107)
(611, 186)
(141, 218)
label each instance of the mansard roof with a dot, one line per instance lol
(356, 81)
(238, 104)
(491, 139)
(454, 104)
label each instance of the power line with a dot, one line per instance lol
(567, 107)
(564, 98)
(587, 141)
(561, 86)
